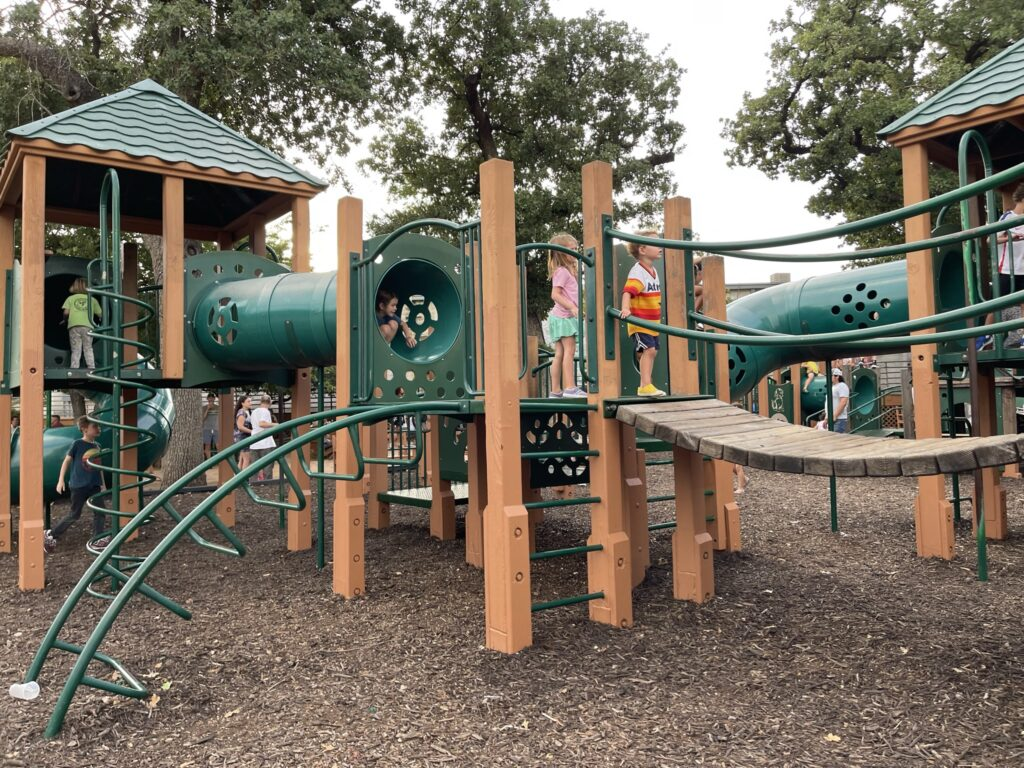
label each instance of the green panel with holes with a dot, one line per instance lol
(556, 431)
(427, 276)
(454, 465)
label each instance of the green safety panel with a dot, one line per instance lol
(454, 464)
(865, 400)
(780, 400)
(556, 431)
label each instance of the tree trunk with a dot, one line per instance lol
(185, 448)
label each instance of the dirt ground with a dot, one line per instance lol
(819, 650)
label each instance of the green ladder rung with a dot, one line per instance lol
(568, 502)
(134, 689)
(545, 555)
(558, 454)
(668, 497)
(143, 589)
(663, 526)
(566, 601)
(659, 462)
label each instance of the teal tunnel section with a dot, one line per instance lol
(155, 416)
(872, 297)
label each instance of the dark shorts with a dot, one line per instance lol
(841, 426)
(642, 341)
(1005, 289)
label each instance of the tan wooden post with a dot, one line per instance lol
(300, 522)
(983, 424)
(609, 570)
(634, 471)
(506, 522)
(442, 500)
(477, 478)
(6, 263)
(378, 513)
(684, 373)
(528, 385)
(693, 576)
(1009, 406)
(172, 306)
(726, 511)
(797, 384)
(762, 395)
(349, 544)
(31, 567)
(933, 514)
(129, 502)
(225, 436)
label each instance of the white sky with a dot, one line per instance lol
(723, 48)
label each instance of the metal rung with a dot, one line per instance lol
(568, 502)
(709, 491)
(660, 526)
(659, 462)
(567, 551)
(558, 454)
(669, 497)
(134, 689)
(566, 601)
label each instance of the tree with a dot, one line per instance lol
(842, 70)
(298, 76)
(508, 79)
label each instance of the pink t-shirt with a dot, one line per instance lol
(564, 279)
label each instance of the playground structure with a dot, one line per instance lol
(228, 318)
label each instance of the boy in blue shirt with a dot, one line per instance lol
(84, 481)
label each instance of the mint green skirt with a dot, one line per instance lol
(560, 327)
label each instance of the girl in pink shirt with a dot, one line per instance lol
(563, 323)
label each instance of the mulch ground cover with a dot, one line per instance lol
(818, 650)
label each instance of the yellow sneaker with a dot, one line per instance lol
(649, 391)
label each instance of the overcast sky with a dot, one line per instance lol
(723, 47)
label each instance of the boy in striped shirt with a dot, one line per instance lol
(641, 298)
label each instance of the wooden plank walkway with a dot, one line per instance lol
(722, 431)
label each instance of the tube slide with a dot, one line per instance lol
(155, 416)
(872, 297)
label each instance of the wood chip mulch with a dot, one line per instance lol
(819, 650)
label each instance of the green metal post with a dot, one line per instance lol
(951, 421)
(320, 468)
(832, 505)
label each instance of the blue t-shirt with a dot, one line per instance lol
(385, 319)
(82, 475)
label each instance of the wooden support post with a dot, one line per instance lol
(225, 435)
(506, 522)
(609, 570)
(762, 396)
(172, 305)
(300, 522)
(933, 516)
(907, 404)
(528, 385)
(797, 386)
(6, 263)
(724, 508)
(1008, 402)
(378, 513)
(349, 545)
(693, 575)
(258, 234)
(992, 499)
(683, 373)
(130, 499)
(477, 450)
(442, 500)
(634, 471)
(31, 567)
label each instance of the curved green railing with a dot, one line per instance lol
(339, 419)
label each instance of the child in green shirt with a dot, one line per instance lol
(79, 320)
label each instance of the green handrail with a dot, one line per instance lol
(850, 228)
(566, 601)
(337, 419)
(972, 266)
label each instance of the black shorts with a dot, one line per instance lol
(1005, 288)
(642, 341)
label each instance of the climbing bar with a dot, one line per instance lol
(558, 454)
(134, 689)
(660, 526)
(548, 554)
(659, 462)
(667, 497)
(546, 405)
(566, 601)
(995, 181)
(569, 502)
(409, 227)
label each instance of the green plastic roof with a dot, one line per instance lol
(997, 81)
(147, 120)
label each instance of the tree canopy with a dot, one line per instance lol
(840, 70)
(509, 79)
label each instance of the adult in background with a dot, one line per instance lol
(261, 419)
(211, 425)
(840, 403)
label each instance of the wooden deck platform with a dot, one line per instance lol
(721, 431)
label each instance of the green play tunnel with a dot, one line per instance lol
(871, 297)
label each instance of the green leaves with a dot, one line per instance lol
(843, 69)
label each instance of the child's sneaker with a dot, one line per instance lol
(649, 391)
(100, 544)
(983, 343)
(573, 392)
(556, 394)
(49, 543)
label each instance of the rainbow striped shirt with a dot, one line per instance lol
(644, 289)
